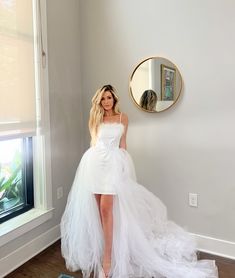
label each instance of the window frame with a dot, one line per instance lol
(43, 209)
(27, 181)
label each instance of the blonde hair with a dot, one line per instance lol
(148, 100)
(97, 111)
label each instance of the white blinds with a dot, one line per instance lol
(17, 72)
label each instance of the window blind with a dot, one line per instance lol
(17, 69)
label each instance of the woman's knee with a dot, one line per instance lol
(106, 206)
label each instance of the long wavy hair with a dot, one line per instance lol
(97, 111)
(148, 100)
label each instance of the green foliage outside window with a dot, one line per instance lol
(11, 184)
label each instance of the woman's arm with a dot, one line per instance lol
(123, 138)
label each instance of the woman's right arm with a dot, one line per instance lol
(124, 121)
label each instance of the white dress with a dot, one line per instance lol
(145, 243)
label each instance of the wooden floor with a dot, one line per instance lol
(50, 264)
(47, 264)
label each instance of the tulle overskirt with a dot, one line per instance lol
(145, 243)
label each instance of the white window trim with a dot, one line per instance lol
(43, 210)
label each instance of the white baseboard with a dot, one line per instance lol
(216, 246)
(28, 251)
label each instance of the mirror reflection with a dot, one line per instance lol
(155, 84)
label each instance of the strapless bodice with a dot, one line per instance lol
(109, 135)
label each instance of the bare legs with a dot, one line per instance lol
(105, 205)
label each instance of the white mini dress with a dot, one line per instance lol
(104, 154)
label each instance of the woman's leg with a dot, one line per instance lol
(106, 211)
(98, 197)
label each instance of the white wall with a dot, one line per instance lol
(66, 122)
(190, 147)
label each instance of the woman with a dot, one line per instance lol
(114, 226)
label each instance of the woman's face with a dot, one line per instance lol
(107, 101)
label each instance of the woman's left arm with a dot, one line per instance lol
(123, 138)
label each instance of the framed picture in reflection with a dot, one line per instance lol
(168, 83)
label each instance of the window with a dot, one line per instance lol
(25, 181)
(16, 177)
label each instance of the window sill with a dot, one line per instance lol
(23, 223)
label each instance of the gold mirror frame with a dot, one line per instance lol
(155, 84)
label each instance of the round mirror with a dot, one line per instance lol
(155, 84)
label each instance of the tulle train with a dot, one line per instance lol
(145, 243)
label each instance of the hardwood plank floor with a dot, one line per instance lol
(50, 264)
(47, 264)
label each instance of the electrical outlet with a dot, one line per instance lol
(59, 192)
(193, 199)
